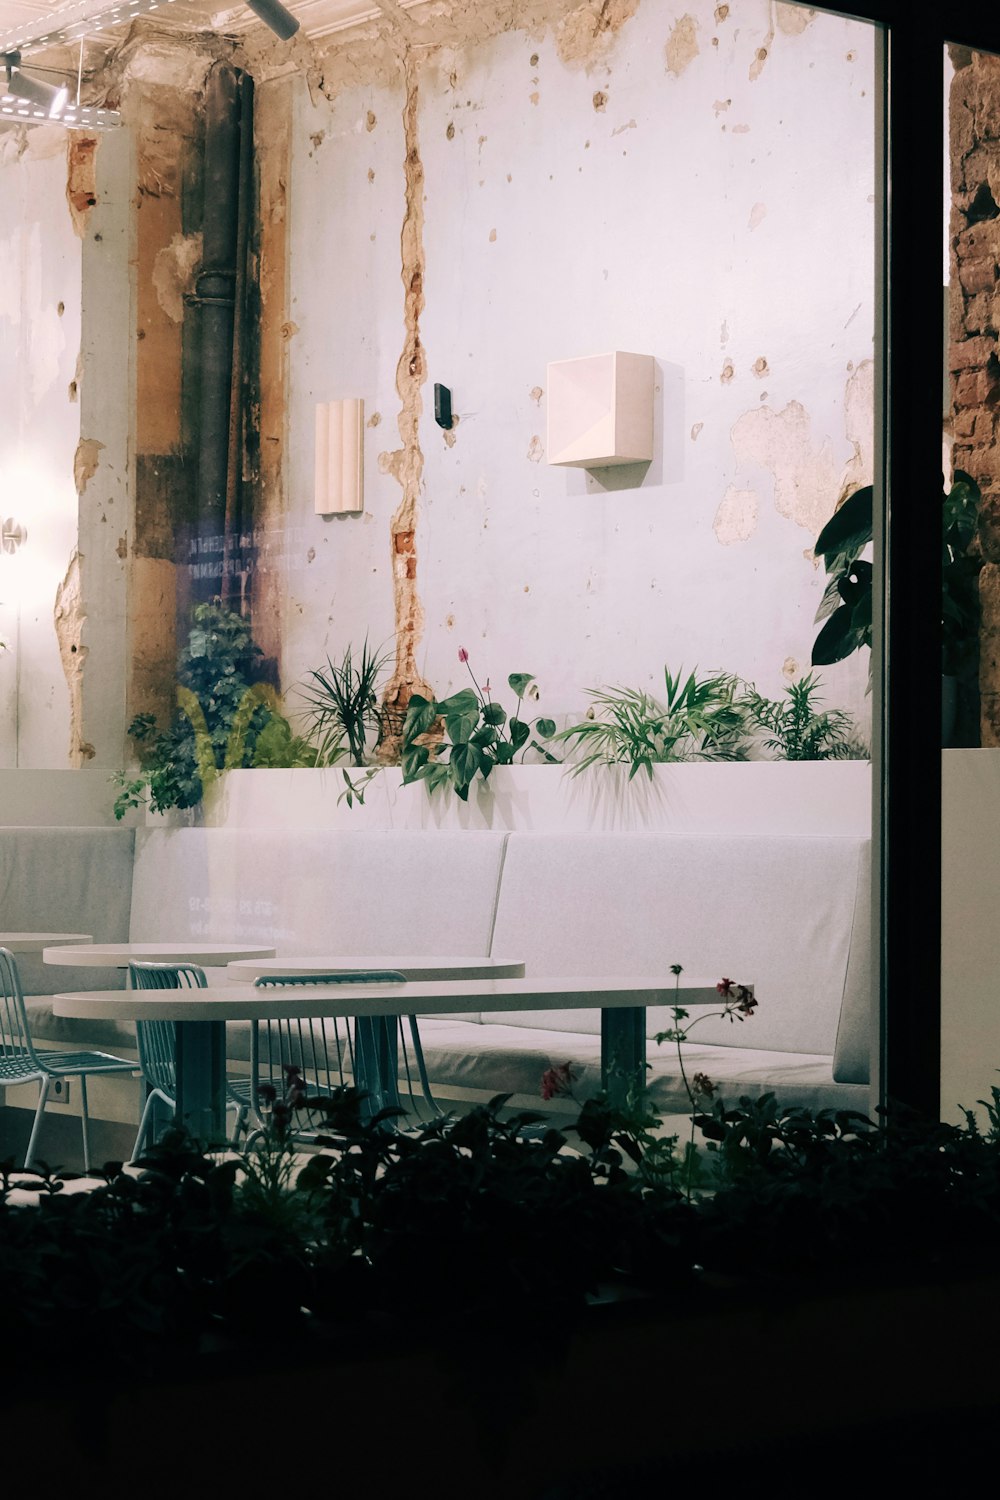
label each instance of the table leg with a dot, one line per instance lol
(376, 1062)
(623, 1052)
(201, 1080)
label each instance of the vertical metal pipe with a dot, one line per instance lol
(214, 295)
(232, 556)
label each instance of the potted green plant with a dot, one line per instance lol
(846, 605)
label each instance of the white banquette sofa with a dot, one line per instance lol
(790, 914)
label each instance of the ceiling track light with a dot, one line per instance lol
(276, 17)
(49, 97)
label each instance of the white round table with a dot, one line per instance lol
(36, 942)
(120, 955)
(426, 968)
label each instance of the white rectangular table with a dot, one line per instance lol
(203, 1014)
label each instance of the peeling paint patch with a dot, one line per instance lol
(600, 101)
(757, 213)
(535, 449)
(695, 431)
(406, 464)
(174, 272)
(584, 35)
(805, 479)
(81, 179)
(682, 45)
(370, 121)
(85, 462)
(760, 368)
(793, 19)
(374, 419)
(371, 174)
(69, 618)
(721, 14)
(790, 668)
(619, 129)
(536, 393)
(121, 551)
(859, 406)
(493, 236)
(727, 371)
(736, 517)
(720, 106)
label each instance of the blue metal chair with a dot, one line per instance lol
(318, 1049)
(22, 1062)
(157, 1049)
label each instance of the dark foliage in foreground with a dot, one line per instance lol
(489, 1219)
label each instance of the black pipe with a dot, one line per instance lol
(235, 556)
(214, 297)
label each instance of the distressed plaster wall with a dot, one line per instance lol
(974, 121)
(692, 181)
(40, 296)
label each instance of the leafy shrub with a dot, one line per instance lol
(797, 729)
(701, 719)
(223, 720)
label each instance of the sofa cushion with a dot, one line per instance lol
(66, 880)
(507, 1059)
(779, 912)
(350, 893)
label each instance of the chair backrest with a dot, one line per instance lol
(314, 1046)
(156, 1039)
(15, 1036)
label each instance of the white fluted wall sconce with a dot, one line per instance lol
(340, 457)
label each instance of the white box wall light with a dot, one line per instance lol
(340, 456)
(600, 410)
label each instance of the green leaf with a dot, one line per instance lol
(850, 527)
(494, 714)
(484, 736)
(460, 727)
(837, 639)
(420, 716)
(546, 728)
(464, 702)
(519, 732)
(463, 763)
(504, 752)
(519, 682)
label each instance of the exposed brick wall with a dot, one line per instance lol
(974, 314)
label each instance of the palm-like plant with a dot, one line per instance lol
(702, 719)
(342, 703)
(798, 730)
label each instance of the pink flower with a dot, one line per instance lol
(558, 1081)
(723, 986)
(463, 655)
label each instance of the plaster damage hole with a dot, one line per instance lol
(371, 174)
(757, 213)
(600, 100)
(535, 451)
(682, 45)
(536, 394)
(370, 120)
(727, 372)
(374, 419)
(760, 368)
(493, 236)
(695, 430)
(450, 132)
(533, 60)
(721, 12)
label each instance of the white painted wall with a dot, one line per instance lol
(40, 291)
(718, 212)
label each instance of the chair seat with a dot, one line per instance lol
(78, 1062)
